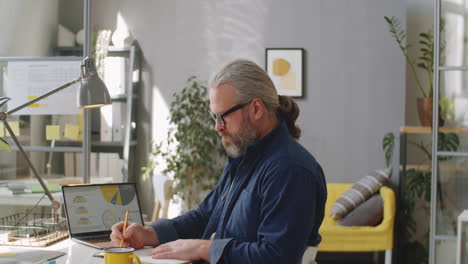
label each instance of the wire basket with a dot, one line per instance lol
(32, 229)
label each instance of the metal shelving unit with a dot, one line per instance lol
(124, 147)
(447, 195)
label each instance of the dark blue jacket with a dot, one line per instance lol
(272, 211)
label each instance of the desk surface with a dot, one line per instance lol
(75, 253)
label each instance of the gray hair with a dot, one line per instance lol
(250, 81)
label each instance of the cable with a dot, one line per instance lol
(28, 212)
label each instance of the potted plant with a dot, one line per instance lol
(192, 151)
(425, 61)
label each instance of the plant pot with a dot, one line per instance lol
(425, 112)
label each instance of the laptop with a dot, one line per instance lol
(92, 210)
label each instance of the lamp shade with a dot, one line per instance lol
(93, 91)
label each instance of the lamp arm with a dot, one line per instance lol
(48, 93)
(55, 203)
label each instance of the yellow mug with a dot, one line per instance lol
(117, 255)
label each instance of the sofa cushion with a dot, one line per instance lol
(361, 191)
(369, 213)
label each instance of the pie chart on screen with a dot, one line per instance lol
(118, 195)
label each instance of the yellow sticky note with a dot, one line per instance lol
(15, 127)
(71, 132)
(32, 98)
(53, 132)
(2, 130)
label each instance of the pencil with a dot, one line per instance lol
(125, 227)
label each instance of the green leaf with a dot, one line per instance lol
(388, 145)
(425, 35)
(4, 145)
(422, 65)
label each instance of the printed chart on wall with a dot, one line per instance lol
(98, 208)
(27, 80)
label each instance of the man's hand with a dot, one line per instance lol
(136, 236)
(186, 249)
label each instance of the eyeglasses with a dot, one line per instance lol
(219, 118)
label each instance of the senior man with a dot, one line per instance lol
(269, 202)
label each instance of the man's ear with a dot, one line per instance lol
(258, 108)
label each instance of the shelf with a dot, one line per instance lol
(49, 149)
(118, 52)
(427, 130)
(76, 51)
(119, 98)
(110, 147)
(107, 147)
(427, 168)
(122, 98)
(446, 237)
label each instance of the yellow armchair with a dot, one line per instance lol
(337, 238)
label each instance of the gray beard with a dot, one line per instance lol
(240, 142)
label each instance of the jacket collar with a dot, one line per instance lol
(262, 144)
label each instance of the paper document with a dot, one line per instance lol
(149, 260)
(30, 79)
(6, 252)
(143, 254)
(30, 256)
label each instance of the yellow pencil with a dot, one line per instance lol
(125, 227)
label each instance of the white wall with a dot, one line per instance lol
(355, 74)
(28, 27)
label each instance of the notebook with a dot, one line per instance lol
(92, 210)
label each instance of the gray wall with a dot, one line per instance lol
(355, 74)
(420, 18)
(35, 34)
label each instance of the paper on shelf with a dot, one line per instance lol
(6, 252)
(2, 130)
(53, 132)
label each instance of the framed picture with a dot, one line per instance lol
(285, 67)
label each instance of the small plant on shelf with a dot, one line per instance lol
(425, 62)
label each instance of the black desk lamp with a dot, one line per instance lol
(93, 93)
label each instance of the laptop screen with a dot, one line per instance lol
(95, 208)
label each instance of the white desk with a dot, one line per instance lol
(75, 253)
